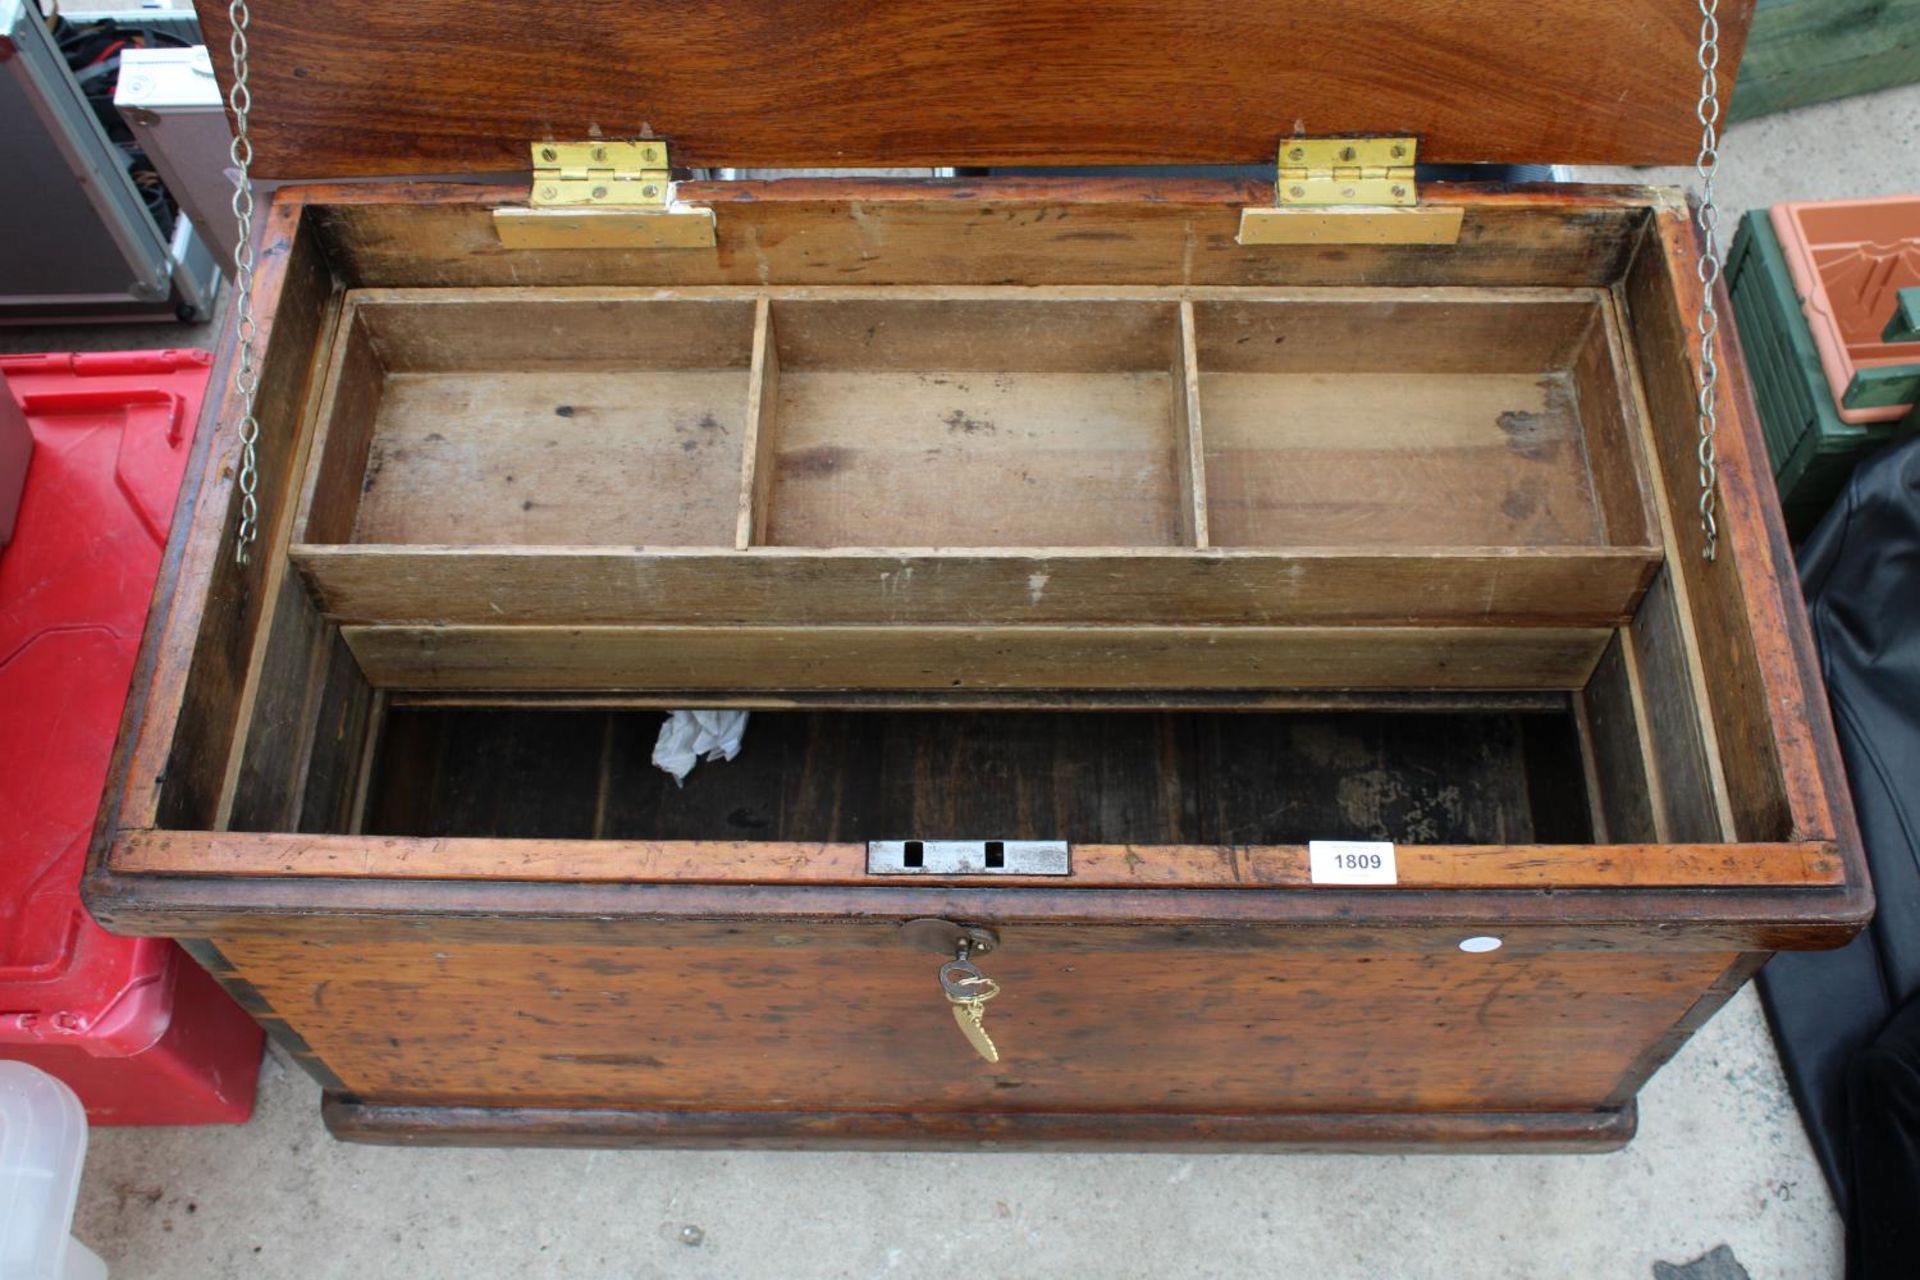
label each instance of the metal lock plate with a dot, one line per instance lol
(968, 858)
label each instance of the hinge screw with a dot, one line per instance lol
(548, 193)
(1347, 192)
(599, 193)
(1296, 192)
(1399, 192)
(598, 153)
(549, 154)
(1399, 151)
(650, 191)
(1298, 153)
(1348, 153)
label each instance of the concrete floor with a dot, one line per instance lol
(1720, 1159)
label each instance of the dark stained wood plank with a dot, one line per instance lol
(1011, 700)
(463, 771)
(1100, 778)
(343, 717)
(1558, 807)
(350, 907)
(1533, 1132)
(1611, 703)
(200, 686)
(442, 87)
(1677, 750)
(269, 777)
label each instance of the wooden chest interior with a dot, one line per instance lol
(1014, 509)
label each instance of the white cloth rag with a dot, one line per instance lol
(689, 736)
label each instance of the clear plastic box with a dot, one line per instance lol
(43, 1144)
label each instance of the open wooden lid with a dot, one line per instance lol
(346, 87)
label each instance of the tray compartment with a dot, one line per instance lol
(499, 420)
(983, 458)
(1480, 418)
(955, 422)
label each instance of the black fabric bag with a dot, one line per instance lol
(1847, 1022)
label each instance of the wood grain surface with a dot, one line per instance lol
(978, 231)
(199, 652)
(755, 1024)
(1754, 659)
(1096, 866)
(443, 87)
(986, 657)
(1570, 586)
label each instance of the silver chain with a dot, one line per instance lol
(1707, 323)
(246, 378)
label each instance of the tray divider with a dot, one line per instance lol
(757, 455)
(1189, 446)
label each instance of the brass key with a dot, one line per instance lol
(969, 990)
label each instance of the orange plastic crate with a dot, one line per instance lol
(1849, 260)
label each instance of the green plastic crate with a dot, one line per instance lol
(1804, 51)
(1812, 451)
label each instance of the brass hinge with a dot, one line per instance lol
(570, 174)
(1321, 172)
(603, 195)
(1348, 191)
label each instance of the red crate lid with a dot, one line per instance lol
(111, 436)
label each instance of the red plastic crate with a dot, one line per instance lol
(137, 1029)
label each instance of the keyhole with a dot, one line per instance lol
(996, 854)
(914, 854)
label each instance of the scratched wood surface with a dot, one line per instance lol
(1743, 624)
(441, 87)
(1003, 231)
(994, 656)
(756, 1024)
(1094, 866)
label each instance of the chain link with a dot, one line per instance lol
(246, 378)
(1707, 323)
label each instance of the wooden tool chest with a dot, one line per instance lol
(1084, 547)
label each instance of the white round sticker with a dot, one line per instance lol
(1482, 943)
